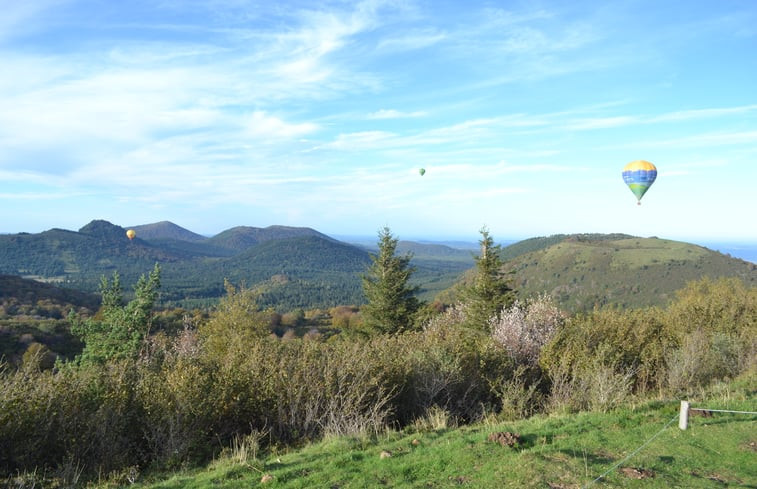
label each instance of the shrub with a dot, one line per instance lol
(702, 359)
(524, 329)
(637, 341)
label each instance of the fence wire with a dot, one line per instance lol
(667, 425)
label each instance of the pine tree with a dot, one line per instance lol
(120, 332)
(490, 291)
(391, 303)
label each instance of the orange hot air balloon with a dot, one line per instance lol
(130, 234)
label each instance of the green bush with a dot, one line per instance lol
(708, 333)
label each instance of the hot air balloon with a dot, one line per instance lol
(639, 175)
(130, 234)
(422, 171)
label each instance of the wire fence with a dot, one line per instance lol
(682, 418)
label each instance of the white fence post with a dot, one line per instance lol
(683, 419)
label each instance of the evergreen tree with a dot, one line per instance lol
(490, 291)
(391, 303)
(119, 332)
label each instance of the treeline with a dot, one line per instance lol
(135, 399)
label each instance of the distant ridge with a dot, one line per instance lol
(241, 238)
(166, 230)
(301, 267)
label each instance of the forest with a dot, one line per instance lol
(151, 389)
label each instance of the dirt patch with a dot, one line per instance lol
(505, 438)
(460, 479)
(636, 473)
(700, 413)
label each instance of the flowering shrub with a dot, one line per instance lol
(524, 328)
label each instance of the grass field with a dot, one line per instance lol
(639, 446)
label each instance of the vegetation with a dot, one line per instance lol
(160, 390)
(187, 397)
(120, 330)
(302, 268)
(489, 291)
(552, 451)
(34, 315)
(586, 271)
(391, 303)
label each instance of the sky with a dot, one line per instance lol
(220, 113)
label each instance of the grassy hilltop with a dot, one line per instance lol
(583, 271)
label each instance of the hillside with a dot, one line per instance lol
(165, 230)
(301, 267)
(96, 249)
(628, 448)
(582, 271)
(27, 292)
(241, 238)
(34, 312)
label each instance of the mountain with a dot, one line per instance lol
(301, 271)
(582, 270)
(301, 267)
(241, 238)
(165, 230)
(324, 271)
(97, 248)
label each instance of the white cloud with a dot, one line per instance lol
(395, 114)
(601, 122)
(686, 115)
(261, 125)
(411, 41)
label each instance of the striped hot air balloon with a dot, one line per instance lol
(639, 175)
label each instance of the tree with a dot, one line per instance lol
(120, 329)
(391, 303)
(490, 291)
(236, 322)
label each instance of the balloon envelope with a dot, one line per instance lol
(639, 175)
(130, 234)
(422, 171)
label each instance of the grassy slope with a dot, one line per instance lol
(556, 452)
(631, 272)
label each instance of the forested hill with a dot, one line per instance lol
(585, 270)
(35, 296)
(165, 230)
(300, 267)
(297, 267)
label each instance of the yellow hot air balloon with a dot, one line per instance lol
(130, 234)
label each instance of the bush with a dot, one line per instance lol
(638, 341)
(524, 329)
(703, 359)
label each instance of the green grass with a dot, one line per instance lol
(568, 451)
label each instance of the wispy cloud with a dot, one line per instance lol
(601, 122)
(411, 41)
(687, 115)
(395, 114)
(262, 125)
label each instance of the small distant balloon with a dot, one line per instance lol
(130, 234)
(422, 171)
(639, 175)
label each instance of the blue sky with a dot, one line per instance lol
(219, 113)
